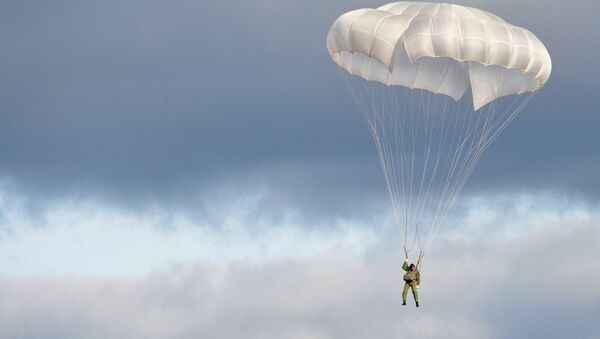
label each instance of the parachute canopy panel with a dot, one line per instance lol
(441, 48)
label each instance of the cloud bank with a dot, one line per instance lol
(538, 285)
(505, 267)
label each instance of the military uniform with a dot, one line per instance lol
(412, 279)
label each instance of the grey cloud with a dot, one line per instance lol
(142, 102)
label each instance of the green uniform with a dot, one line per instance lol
(414, 280)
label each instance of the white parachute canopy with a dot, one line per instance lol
(442, 48)
(410, 65)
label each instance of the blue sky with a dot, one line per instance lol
(204, 161)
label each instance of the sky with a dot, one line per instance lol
(196, 169)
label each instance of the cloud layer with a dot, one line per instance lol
(540, 285)
(505, 267)
(152, 102)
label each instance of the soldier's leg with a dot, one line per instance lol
(415, 291)
(405, 292)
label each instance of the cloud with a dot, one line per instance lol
(152, 102)
(539, 284)
(504, 267)
(87, 236)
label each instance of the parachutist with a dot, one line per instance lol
(412, 280)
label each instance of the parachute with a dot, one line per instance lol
(437, 83)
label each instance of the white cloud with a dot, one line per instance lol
(519, 288)
(506, 267)
(87, 237)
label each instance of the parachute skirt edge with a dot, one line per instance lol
(442, 75)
